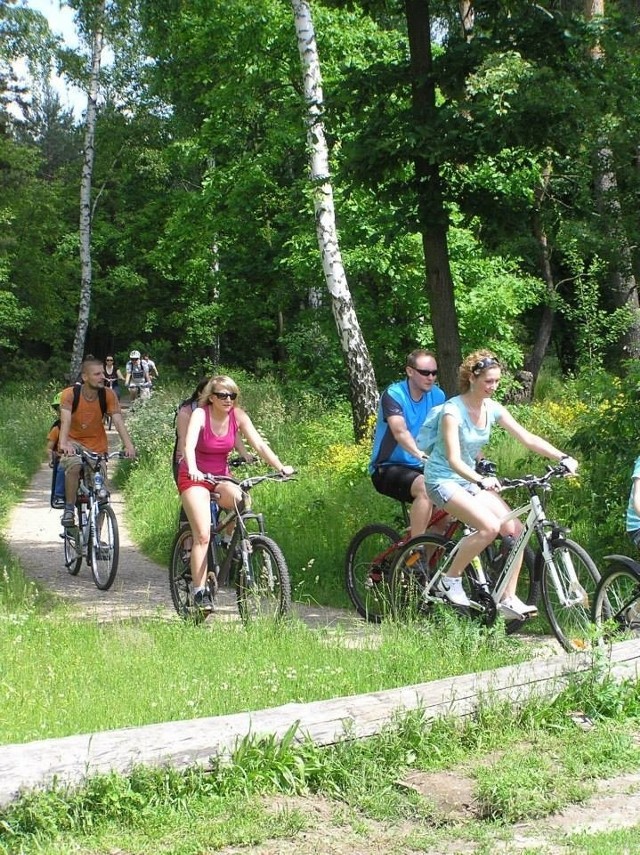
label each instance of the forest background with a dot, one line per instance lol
(485, 173)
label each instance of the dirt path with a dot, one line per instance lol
(140, 588)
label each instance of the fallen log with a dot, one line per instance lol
(70, 760)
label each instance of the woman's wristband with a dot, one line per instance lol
(480, 484)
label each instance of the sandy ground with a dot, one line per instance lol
(141, 588)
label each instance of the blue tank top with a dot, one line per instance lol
(396, 400)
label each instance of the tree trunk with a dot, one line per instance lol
(533, 362)
(623, 288)
(433, 217)
(362, 382)
(85, 196)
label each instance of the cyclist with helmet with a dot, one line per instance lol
(137, 375)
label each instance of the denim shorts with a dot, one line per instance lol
(442, 491)
(635, 537)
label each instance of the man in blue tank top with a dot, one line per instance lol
(396, 461)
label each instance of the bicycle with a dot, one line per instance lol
(373, 550)
(251, 560)
(616, 604)
(95, 536)
(563, 570)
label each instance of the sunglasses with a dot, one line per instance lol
(426, 372)
(109, 360)
(222, 396)
(483, 364)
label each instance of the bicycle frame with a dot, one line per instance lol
(535, 524)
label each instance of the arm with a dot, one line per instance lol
(404, 437)
(123, 433)
(451, 438)
(182, 423)
(64, 446)
(255, 440)
(534, 442)
(120, 375)
(196, 423)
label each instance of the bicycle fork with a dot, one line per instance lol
(570, 591)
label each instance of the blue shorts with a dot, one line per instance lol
(442, 491)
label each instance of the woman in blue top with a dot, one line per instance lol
(453, 483)
(633, 509)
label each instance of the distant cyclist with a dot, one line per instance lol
(150, 366)
(112, 376)
(137, 375)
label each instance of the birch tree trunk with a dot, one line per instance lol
(362, 382)
(85, 194)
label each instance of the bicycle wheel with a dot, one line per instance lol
(415, 564)
(568, 601)
(367, 569)
(616, 605)
(72, 542)
(180, 575)
(265, 590)
(105, 548)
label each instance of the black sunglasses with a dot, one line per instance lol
(483, 364)
(222, 396)
(426, 372)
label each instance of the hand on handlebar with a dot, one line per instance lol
(570, 463)
(490, 482)
(288, 470)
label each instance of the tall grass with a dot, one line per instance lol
(25, 418)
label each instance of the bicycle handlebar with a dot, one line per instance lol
(533, 481)
(95, 457)
(248, 483)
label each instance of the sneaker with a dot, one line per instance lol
(58, 502)
(202, 601)
(513, 606)
(451, 588)
(68, 518)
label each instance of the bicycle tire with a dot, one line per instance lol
(415, 564)
(571, 624)
(180, 576)
(72, 543)
(267, 594)
(367, 570)
(616, 604)
(105, 549)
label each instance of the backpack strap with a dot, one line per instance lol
(102, 397)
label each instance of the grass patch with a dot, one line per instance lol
(63, 676)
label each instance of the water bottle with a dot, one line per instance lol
(98, 482)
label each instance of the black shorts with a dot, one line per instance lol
(395, 481)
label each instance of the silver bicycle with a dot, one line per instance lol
(563, 571)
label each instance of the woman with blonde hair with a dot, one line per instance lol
(212, 433)
(453, 483)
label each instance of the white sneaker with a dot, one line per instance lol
(451, 588)
(513, 604)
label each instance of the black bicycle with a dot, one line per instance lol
(251, 561)
(95, 535)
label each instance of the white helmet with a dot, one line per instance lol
(135, 354)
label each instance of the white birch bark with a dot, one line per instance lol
(362, 382)
(85, 195)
